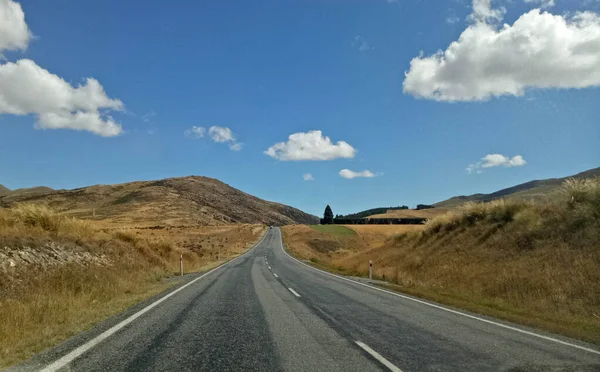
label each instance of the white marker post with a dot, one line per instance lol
(370, 270)
(181, 264)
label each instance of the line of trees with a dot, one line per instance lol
(328, 218)
(371, 212)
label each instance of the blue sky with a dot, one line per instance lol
(269, 69)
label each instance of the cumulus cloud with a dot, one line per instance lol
(195, 132)
(310, 146)
(14, 33)
(483, 11)
(217, 134)
(26, 88)
(542, 3)
(221, 134)
(236, 146)
(348, 174)
(496, 160)
(540, 50)
(308, 177)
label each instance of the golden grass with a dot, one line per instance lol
(537, 264)
(61, 275)
(377, 235)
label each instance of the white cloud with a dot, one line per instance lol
(14, 33)
(195, 132)
(361, 44)
(452, 19)
(217, 134)
(236, 146)
(348, 174)
(221, 134)
(539, 50)
(496, 160)
(482, 12)
(542, 3)
(26, 88)
(310, 146)
(308, 177)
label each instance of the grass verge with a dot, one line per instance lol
(534, 264)
(60, 276)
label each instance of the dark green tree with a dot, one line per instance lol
(328, 216)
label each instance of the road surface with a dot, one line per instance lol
(266, 311)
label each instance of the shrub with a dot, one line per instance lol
(124, 236)
(37, 216)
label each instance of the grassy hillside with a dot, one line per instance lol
(371, 212)
(173, 201)
(412, 213)
(56, 271)
(4, 190)
(539, 190)
(534, 263)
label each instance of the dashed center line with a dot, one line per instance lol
(377, 356)
(294, 292)
(275, 275)
(269, 267)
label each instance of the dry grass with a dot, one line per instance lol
(190, 201)
(538, 264)
(60, 275)
(377, 235)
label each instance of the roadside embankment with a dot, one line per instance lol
(60, 275)
(533, 263)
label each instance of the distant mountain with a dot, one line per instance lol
(533, 190)
(371, 212)
(4, 191)
(173, 201)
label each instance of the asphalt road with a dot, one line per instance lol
(266, 311)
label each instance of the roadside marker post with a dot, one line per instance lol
(370, 270)
(181, 264)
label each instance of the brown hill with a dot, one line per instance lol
(4, 190)
(411, 213)
(190, 200)
(533, 190)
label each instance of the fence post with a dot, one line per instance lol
(181, 264)
(370, 270)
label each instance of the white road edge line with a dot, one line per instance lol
(294, 292)
(58, 364)
(547, 338)
(378, 356)
(275, 275)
